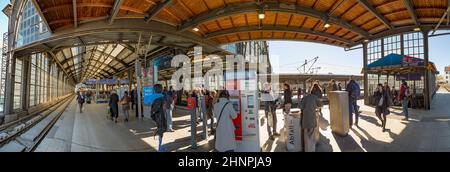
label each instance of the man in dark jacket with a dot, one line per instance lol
(158, 115)
(113, 105)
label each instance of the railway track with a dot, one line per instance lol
(26, 134)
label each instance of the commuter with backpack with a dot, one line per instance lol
(169, 108)
(159, 116)
(354, 91)
(192, 107)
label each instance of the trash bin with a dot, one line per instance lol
(293, 139)
(339, 112)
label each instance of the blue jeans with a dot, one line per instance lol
(193, 128)
(353, 106)
(405, 104)
(169, 117)
(161, 147)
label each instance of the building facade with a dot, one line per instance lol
(447, 74)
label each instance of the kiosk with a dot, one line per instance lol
(244, 97)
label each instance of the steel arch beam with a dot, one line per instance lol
(115, 10)
(412, 12)
(377, 14)
(155, 10)
(275, 29)
(268, 6)
(129, 25)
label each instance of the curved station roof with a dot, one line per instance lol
(108, 28)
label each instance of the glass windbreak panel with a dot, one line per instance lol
(374, 51)
(413, 45)
(18, 84)
(392, 45)
(33, 81)
(31, 26)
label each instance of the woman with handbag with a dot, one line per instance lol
(382, 107)
(125, 102)
(224, 137)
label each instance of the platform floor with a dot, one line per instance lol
(91, 131)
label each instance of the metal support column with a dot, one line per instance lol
(402, 44)
(9, 91)
(427, 92)
(366, 78)
(129, 80)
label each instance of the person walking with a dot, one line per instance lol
(81, 99)
(309, 105)
(225, 140)
(125, 102)
(209, 109)
(169, 105)
(203, 113)
(159, 116)
(197, 109)
(354, 92)
(404, 98)
(382, 108)
(113, 105)
(270, 111)
(299, 93)
(332, 86)
(132, 98)
(191, 106)
(287, 99)
(317, 91)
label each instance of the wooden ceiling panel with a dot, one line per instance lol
(196, 6)
(278, 35)
(233, 38)
(371, 24)
(324, 5)
(290, 35)
(214, 4)
(310, 23)
(270, 18)
(212, 26)
(239, 20)
(244, 35)
(305, 3)
(255, 35)
(296, 21)
(225, 23)
(283, 19)
(267, 35)
(252, 19)
(430, 12)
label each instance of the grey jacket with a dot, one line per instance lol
(308, 105)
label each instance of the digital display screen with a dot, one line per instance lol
(250, 101)
(236, 105)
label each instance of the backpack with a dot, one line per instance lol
(158, 115)
(356, 91)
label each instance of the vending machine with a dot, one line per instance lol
(242, 86)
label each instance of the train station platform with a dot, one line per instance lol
(91, 131)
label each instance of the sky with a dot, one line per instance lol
(289, 56)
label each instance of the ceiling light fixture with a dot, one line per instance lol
(261, 13)
(417, 29)
(327, 25)
(196, 29)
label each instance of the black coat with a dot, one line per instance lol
(113, 103)
(384, 108)
(287, 97)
